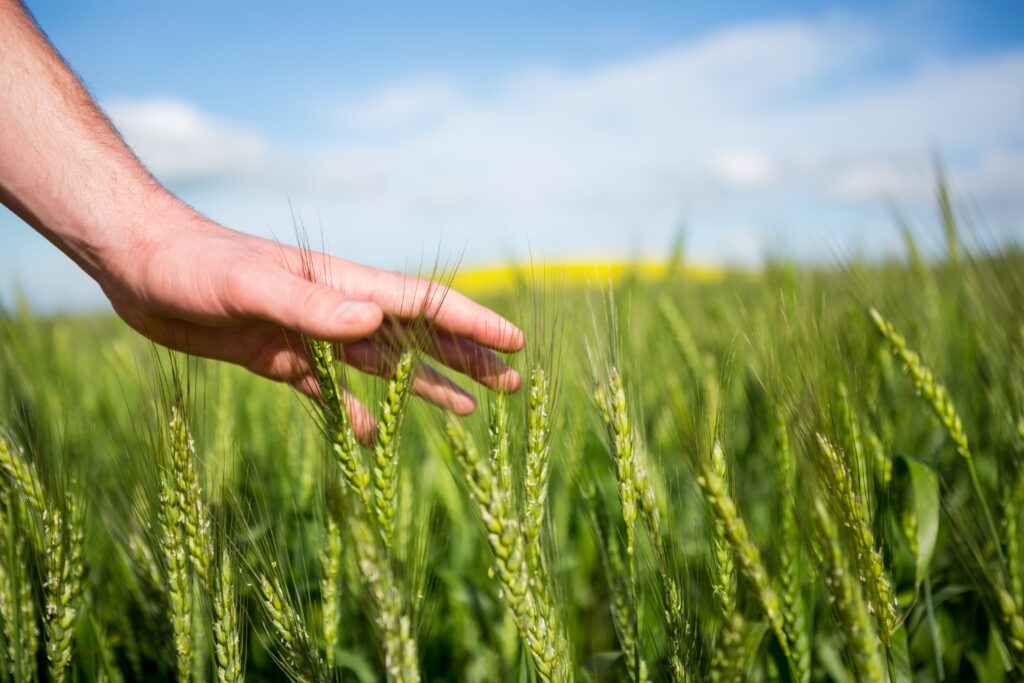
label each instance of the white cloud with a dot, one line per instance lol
(875, 179)
(776, 123)
(1000, 176)
(181, 143)
(403, 105)
(741, 168)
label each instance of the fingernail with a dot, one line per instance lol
(509, 380)
(519, 339)
(355, 311)
(464, 405)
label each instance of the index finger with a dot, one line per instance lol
(407, 297)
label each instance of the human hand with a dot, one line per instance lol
(190, 284)
(204, 289)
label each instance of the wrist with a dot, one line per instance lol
(144, 226)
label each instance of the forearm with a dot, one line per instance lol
(63, 167)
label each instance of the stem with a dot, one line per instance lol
(933, 628)
(989, 521)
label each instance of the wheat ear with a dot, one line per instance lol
(1011, 501)
(1013, 618)
(22, 473)
(622, 609)
(745, 552)
(939, 400)
(728, 658)
(498, 441)
(511, 567)
(535, 489)
(193, 512)
(17, 600)
(227, 645)
(330, 561)
(621, 605)
(337, 427)
(671, 596)
(726, 663)
(866, 554)
(791, 591)
(174, 545)
(385, 452)
(724, 579)
(300, 657)
(536, 480)
(63, 587)
(851, 438)
(880, 460)
(846, 599)
(401, 658)
(400, 651)
(701, 368)
(142, 558)
(611, 402)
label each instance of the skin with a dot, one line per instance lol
(192, 285)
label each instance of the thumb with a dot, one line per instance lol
(308, 308)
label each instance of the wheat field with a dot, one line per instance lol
(808, 473)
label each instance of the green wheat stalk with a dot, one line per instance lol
(330, 561)
(846, 599)
(22, 473)
(701, 369)
(189, 498)
(301, 658)
(536, 481)
(17, 600)
(866, 554)
(498, 440)
(511, 567)
(227, 645)
(1013, 618)
(623, 610)
(727, 660)
(791, 592)
(621, 605)
(724, 577)
(611, 402)
(744, 551)
(63, 588)
(401, 658)
(337, 427)
(386, 449)
(939, 400)
(880, 461)
(671, 596)
(174, 546)
(849, 428)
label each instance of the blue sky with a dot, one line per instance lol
(498, 130)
